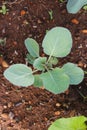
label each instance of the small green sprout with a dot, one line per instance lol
(2, 41)
(3, 9)
(51, 14)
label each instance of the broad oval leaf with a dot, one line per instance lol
(74, 72)
(73, 123)
(39, 63)
(20, 75)
(32, 47)
(37, 81)
(73, 6)
(56, 81)
(57, 42)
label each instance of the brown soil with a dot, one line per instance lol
(33, 108)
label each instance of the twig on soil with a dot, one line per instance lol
(84, 97)
(14, 2)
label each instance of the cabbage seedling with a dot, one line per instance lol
(57, 43)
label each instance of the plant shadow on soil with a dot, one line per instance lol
(33, 108)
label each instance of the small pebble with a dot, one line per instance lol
(58, 104)
(11, 115)
(18, 104)
(4, 106)
(34, 26)
(39, 21)
(10, 104)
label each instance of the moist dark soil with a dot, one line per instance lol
(35, 108)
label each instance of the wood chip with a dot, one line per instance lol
(80, 64)
(23, 12)
(3, 63)
(57, 113)
(84, 31)
(75, 21)
(45, 119)
(10, 104)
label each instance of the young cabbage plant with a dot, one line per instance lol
(72, 123)
(73, 6)
(57, 43)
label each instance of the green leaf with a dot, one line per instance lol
(39, 63)
(75, 73)
(73, 123)
(57, 42)
(30, 58)
(3, 10)
(85, 7)
(73, 6)
(55, 81)
(32, 47)
(37, 81)
(20, 75)
(53, 60)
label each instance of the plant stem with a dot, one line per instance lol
(84, 97)
(34, 71)
(45, 67)
(48, 59)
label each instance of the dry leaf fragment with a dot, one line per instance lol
(3, 63)
(4, 116)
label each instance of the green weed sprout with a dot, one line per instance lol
(50, 14)
(3, 9)
(2, 41)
